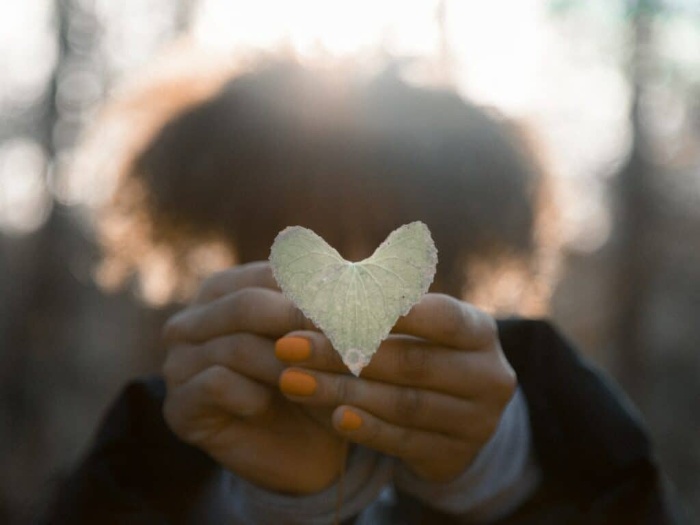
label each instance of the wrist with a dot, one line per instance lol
(437, 473)
(367, 473)
(502, 476)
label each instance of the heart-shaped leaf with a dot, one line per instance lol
(355, 303)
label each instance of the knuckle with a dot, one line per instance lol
(215, 382)
(328, 358)
(404, 443)
(263, 274)
(342, 390)
(414, 363)
(174, 329)
(489, 327)
(242, 297)
(373, 434)
(408, 404)
(260, 404)
(240, 306)
(296, 317)
(453, 317)
(225, 350)
(210, 289)
(504, 382)
(508, 383)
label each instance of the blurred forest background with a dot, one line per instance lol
(610, 88)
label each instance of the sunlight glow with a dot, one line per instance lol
(498, 49)
(502, 54)
(316, 26)
(24, 199)
(28, 52)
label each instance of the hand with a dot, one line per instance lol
(222, 395)
(432, 395)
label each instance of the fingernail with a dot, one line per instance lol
(350, 420)
(292, 349)
(297, 383)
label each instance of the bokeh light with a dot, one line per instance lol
(28, 52)
(24, 199)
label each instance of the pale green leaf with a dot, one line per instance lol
(355, 303)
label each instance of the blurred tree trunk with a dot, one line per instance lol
(635, 214)
(445, 58)
(184, 15)
(31, 292)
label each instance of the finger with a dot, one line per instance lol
(311, 349)
(415, 446)
(450, 322)
(247, 354)
(256, 274)
(402, 406)
(214, 392)
(258, 310)
(407, 361)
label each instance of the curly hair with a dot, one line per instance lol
(351, 157)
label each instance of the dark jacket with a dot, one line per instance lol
(596, 459)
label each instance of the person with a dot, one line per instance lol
(458, 418)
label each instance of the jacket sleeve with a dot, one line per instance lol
(136, 471)
(596, 459)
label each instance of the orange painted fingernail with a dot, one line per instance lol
(292, 349)
(350, 420)
(297, 383)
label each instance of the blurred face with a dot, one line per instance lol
(351, 217)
